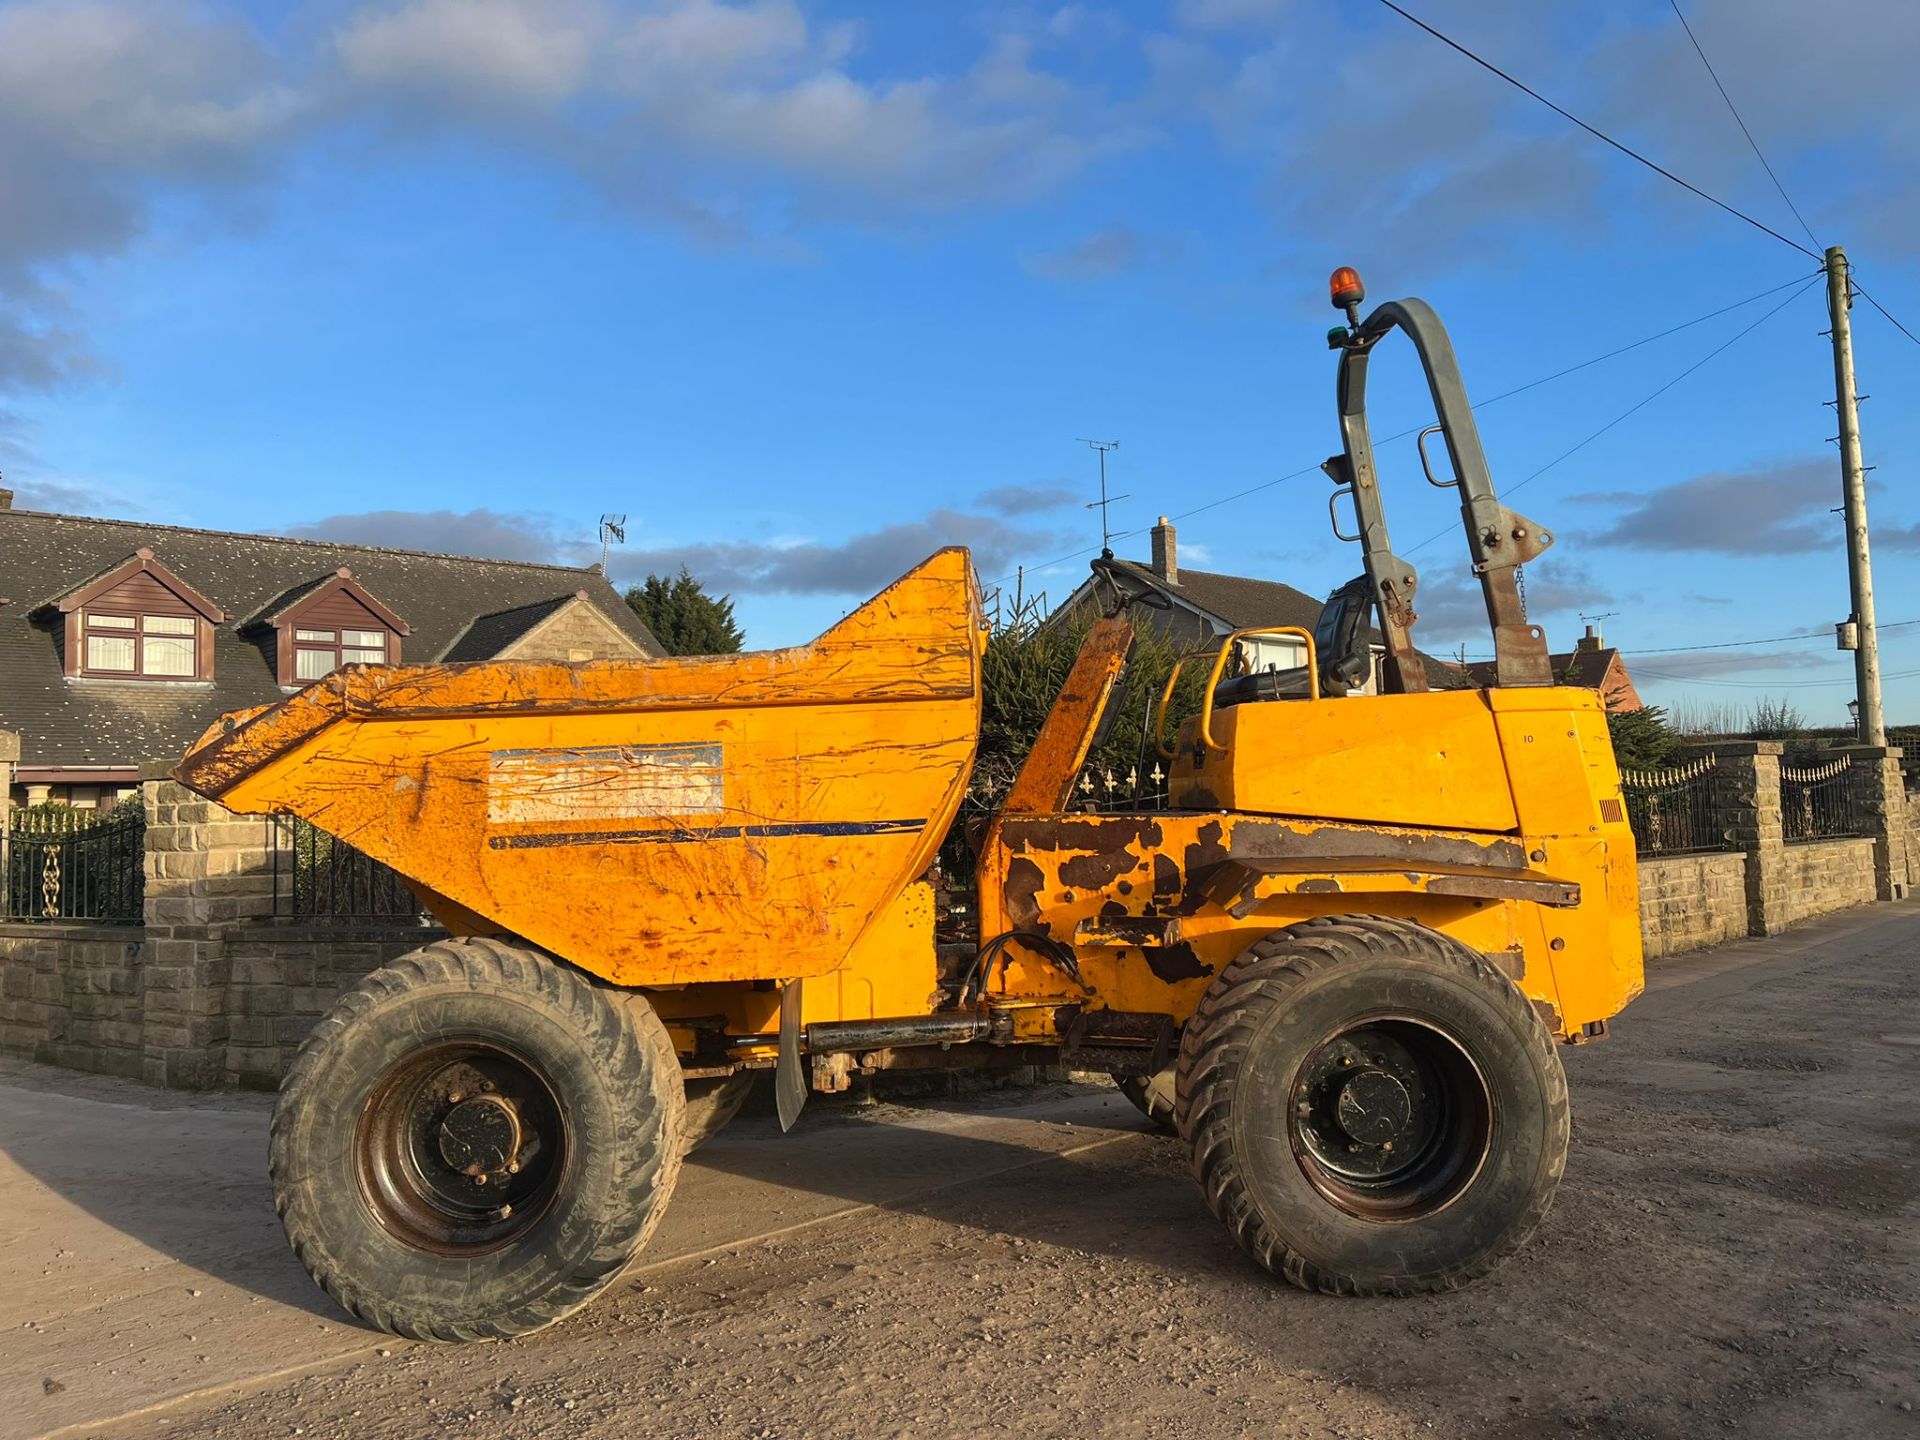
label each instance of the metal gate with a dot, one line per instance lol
(66, 864)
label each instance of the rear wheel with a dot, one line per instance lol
(1152, 1096)
(711, 1106)
(1372, 1108)
(475, 1141)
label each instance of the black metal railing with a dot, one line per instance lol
(1675, 810)
(1820, 802)
(68, 864)
(1103, 788)
(321, 880)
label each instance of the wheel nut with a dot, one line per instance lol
(513, 1167)
(481, 1178)
(455, 1098)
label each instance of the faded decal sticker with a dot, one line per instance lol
(613, 782)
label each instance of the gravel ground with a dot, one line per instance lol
(1733, 1252)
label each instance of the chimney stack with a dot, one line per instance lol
(1165, 562)
(1590, 642)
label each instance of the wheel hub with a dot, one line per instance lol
(461, 1147)
(1390, 1118)
(480, 1136)
(1373, 1107)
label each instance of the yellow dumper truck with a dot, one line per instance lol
(1338, 962)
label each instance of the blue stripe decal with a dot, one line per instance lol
(711, 832)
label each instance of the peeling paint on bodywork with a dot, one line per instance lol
(1275, 845)
(1176, 962)
(1022, 890)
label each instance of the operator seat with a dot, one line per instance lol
(1340, 642)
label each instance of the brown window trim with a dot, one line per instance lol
(73, 606)
(288, 622)
(389, 647)
(201, 637)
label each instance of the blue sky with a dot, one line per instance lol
(808, 290)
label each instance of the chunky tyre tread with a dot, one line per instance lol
(637, 1052)
(1216, 1038)
(711, 1107)
(1152, 1096)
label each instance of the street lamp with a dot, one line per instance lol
(1853, 714)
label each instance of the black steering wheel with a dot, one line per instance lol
(1108, 570)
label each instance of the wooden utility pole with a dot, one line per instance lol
(1853, 485)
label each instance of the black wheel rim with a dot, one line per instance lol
(461, 1148)
(1390, 1118)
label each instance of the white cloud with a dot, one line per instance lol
(492, 49)
(859, 565)
(735, 122)
(490, 534)
(102, 104)
(1108, 252)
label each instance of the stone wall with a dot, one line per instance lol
(1691, 901)
(281, 980)
(209, 991)
(74, 995)
(1822, 876)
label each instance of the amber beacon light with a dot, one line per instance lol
(1345, 288)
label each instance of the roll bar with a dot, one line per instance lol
(1498, 539)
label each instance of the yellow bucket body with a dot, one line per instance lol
(658, 822)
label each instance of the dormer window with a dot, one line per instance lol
(321, 652)
(158, 647)
(139, 621)
(327, 623)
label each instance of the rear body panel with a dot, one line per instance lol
(659, 822)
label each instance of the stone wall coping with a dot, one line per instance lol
(1872, 752)
(294, 933)
(157, 769)
(70, 930)
(1824, 840)
(1740, 747)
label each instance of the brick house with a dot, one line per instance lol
(1207, 605)
(121, 641)
(1592, 664)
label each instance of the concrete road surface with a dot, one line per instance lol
(1733, 1252)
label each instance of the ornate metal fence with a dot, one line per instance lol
(1819, 802)
(66, 864)
(1675, 810)
(1105, 789)
(320, 880)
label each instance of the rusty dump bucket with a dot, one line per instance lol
(656, 822)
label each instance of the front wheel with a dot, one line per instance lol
(1372, 1108)
(475, 1141)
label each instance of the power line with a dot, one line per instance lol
(1611, 354)
(1597, 133)
(1641, 670)
(1738, 120)
(1826, 634)
(1637, 406)
(1883, 310)
(1478, 405)
(1658, 652)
